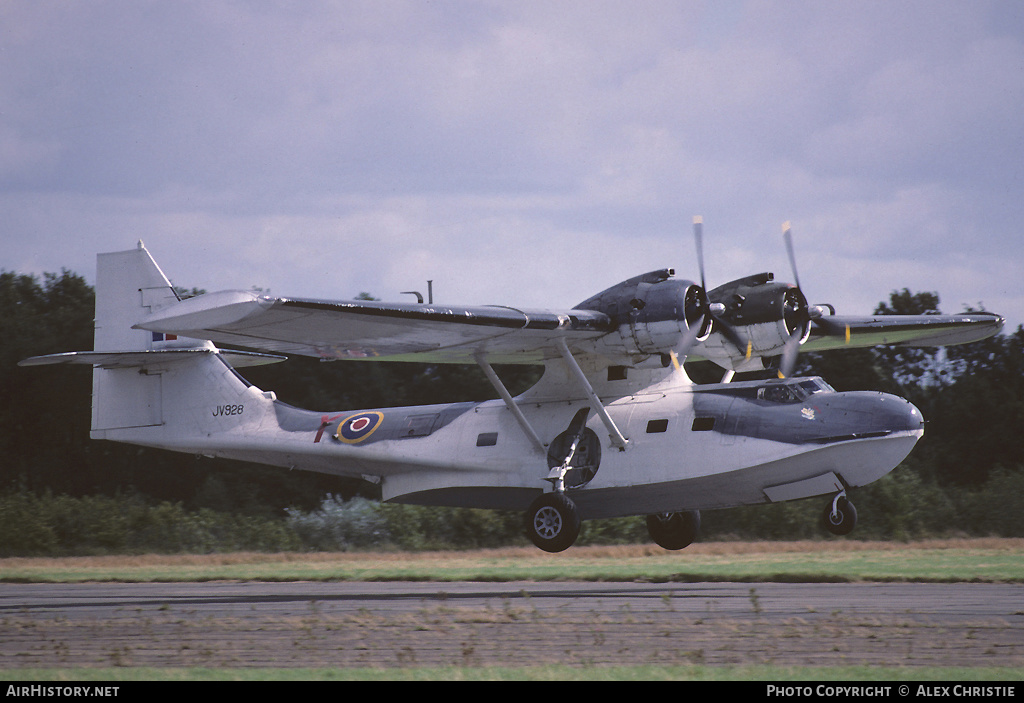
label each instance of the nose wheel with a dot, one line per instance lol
(840, 517)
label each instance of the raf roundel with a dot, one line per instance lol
(356, 428)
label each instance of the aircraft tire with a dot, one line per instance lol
(845, 519)
(552, 522)
(674, 530)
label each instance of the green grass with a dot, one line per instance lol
(992, 561)
(995, 560)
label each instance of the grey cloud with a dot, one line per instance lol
(274, 132)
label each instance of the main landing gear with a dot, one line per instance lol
(552, 522)
(840, 517)
(674, 530)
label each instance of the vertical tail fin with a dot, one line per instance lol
(129, 284)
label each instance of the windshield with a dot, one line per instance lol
(794, 391)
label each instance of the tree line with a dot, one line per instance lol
(62, 493)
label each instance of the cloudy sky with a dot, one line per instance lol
(519, 152)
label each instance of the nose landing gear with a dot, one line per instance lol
(840, 517)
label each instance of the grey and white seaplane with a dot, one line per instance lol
(614, 427)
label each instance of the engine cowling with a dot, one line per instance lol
(755, 314)
(652, 314)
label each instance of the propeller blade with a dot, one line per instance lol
(698, 236)
(688, 342)
(815, 312)
(744, 346)
(792, 348)
(789, 355)
(787, 235)
(695, 327)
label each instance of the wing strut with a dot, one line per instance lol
(595, 403)
(510, 403)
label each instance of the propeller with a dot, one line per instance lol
(717, 310)
(798, 314)
(710, 313)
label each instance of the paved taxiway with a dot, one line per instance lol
(347, 624)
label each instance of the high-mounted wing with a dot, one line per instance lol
(375, 330)
(126, 360)
(651, 318)
(840, 331)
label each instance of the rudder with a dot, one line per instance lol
(129, 285)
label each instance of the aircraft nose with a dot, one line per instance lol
(883, 412)
(902, 414)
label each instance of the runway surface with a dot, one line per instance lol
(359, 624)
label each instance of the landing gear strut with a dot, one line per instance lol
(673, 530)
(552, 522)
(840, 517)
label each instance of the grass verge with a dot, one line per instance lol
(982, 560)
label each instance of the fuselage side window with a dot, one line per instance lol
(703, 424)
(655, 426)
(487, 439)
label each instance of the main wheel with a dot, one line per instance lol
(843, 520)
(552, 522)
(674, 530)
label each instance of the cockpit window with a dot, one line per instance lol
(823, 386)
(792, 392)
(814, 385)
(777, 394)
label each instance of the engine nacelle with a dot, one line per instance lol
(756, 317)
(652, 314)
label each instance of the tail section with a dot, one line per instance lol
(161, 390)
(153, 389)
